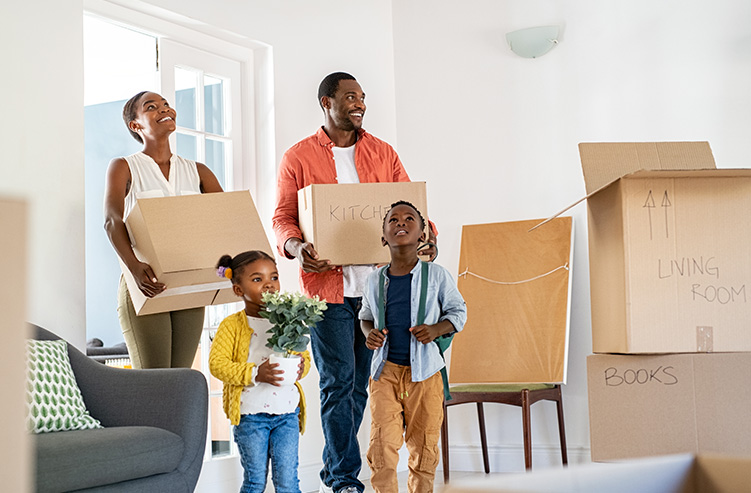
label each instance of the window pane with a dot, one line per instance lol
(187, 146)
(215, 159)
(214, 100)
(185, 97)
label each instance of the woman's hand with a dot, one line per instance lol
(268, 373)
(146, 279)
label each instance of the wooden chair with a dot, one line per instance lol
(514, 394)
(516, 283)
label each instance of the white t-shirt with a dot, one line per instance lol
(263, 397)
(346, 172)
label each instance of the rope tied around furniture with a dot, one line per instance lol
(467, 272)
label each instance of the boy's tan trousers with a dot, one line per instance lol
(403, 410)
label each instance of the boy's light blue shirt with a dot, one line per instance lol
(443, 302)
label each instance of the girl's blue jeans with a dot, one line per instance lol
(263, 438)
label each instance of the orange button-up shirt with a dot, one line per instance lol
(312, 161)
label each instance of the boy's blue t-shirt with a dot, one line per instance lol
(398, 319)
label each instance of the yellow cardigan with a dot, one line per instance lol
(228, 361)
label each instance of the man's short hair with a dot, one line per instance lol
(330, 84)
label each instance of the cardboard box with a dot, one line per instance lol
(16, 456)
(516, 285)
(670, 270)
(666, 404)
(683, 473)
(345, 221)
(182, 238)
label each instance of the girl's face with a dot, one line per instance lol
(256, 278)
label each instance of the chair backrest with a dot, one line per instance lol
(516, 284)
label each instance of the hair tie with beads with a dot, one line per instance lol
(224, 272)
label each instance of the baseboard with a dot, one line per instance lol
(510, 458)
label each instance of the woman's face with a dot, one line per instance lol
(155, 118)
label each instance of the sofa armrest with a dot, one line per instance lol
(172, 399)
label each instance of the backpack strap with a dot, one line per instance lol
(421, 320)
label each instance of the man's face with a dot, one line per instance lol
(347, 108)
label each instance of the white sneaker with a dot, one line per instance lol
(350, 489)
(325, 489)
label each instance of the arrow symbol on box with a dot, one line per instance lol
(650, 204)
(665, 204)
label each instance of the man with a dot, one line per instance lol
(339, 152)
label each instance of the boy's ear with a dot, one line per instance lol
(237, 290)
(384, 242)
(422, 237)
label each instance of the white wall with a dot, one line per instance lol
(496, 135)
(41, 131)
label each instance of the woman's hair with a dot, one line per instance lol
(129, 114)
(408, 204)
(239, 261)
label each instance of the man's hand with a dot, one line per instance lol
(268, 373)
(430, 252)
(146, 279)
(307, 256)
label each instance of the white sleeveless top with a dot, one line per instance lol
(147, 180)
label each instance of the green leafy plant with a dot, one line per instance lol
(291, 316)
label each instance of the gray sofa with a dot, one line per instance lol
(153, 437)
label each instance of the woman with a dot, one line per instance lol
(161, 340)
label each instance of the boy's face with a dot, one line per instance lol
(402, 227)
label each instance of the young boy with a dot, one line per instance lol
(406, 388)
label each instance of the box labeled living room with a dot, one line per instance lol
(670, 270)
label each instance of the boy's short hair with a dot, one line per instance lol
(408, 204)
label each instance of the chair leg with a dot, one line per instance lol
(483, 438)
(527, 430)
(445, 443)
(561, 429)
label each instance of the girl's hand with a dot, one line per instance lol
(376, 338)
(300, 367)
(268, 373)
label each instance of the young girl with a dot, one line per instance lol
(268, 417)
(406, 388)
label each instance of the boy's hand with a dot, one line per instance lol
(268, 373)
(426, 333)
(376, 338)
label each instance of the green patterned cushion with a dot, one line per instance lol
(53, 398)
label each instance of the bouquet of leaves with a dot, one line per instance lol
(291, 316)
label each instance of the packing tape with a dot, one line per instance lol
(704, 339)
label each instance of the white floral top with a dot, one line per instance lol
(263, 397)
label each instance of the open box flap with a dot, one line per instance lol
(604, 163)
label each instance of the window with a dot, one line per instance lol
(205, 88)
